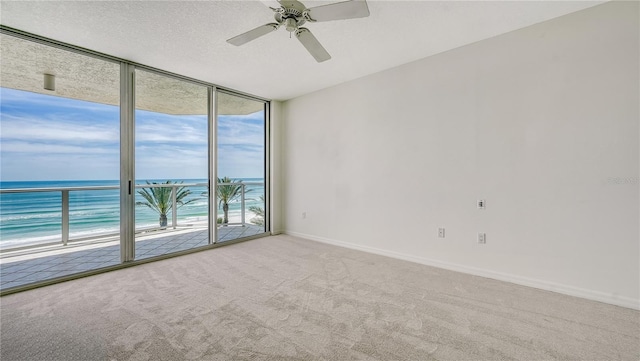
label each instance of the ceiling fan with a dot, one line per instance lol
(292, 14)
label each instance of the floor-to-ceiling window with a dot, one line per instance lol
(104, 162)
(59, 161)
(241, 155)
(171, 164)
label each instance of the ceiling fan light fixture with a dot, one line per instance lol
(291, 24)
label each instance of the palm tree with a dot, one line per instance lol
(259, 211)
(228, 191)
(159, 199)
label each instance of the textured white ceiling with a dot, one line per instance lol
(189, 37)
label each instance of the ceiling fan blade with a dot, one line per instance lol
(270, 3)
(312, 44)
(253, 34)
(339, 11)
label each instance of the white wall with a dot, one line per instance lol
(541, 122)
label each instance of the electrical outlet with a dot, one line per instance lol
(441, 232)
(481, 203)
(482, 238)
(304, 215)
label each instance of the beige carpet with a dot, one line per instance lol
(284, 298)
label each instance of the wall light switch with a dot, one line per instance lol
(482, 238)
(481, 203)
(441, 232)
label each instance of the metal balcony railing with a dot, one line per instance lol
(64, 203)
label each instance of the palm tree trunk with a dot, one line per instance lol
(225, 209)
(163, 220)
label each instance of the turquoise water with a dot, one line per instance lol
(35, 217)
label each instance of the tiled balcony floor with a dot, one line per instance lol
(65, 261)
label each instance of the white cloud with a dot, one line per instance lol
(27, 148)
(59, 167)
(234, 131)
(163, 128)
(45, 128)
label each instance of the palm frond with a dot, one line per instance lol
(228, 190)
(159, 198)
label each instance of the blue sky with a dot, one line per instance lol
(44, 137)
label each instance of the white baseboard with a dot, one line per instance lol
(524, 281)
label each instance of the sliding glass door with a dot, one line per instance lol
(171, 165)
(241, 154)
(60, 164)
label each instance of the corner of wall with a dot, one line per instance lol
(276, 167)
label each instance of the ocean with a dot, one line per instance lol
(35, 217)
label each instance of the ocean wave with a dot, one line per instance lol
(31, 241)
(22, 217)
(58, 214)
(197, 204)
(93, 212)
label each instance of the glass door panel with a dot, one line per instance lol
(60, 162)
(240, 193)
(171, 165)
